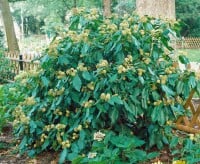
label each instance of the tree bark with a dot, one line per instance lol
(155, 8)
(107, 8)
(9, 26)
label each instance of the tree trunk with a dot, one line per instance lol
(155, 8)
(9, 26)
(107, 7)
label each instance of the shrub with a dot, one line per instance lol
(5, 68)
(9, 98)
(105, 90)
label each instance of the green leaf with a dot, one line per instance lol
(115, 100)
(77, 83)
(179, 87)
(33, 126)
(173, 142)
(63, 60)
(86, 75)
(77, 160)
(152, 155)
(45, 81)
(183, 59)
(167, 90)
(23, 143)
(45, 144)
(114, 115)
(63, 156)
(192, 81)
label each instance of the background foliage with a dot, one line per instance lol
(188, 12)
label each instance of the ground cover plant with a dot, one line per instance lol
(107, 91)
(9, 97)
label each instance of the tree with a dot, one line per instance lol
(161, 8)
(107, 7)
(9, 26)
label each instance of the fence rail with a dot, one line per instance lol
(21, 62)
(187, 43)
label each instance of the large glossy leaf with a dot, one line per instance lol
(77, 83)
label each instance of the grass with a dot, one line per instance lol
(192, 54)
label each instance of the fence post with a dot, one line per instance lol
(21, 62)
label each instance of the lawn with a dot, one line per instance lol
(192, 54)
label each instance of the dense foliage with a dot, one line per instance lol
(106, 91)
(188, 12)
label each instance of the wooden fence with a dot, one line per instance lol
(21, 62)
(187, 43)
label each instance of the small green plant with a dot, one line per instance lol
(188, 148)
(114, 76)
(1, 39)
(9, 98)
(5, 68)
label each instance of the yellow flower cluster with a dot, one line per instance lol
(28, 101)
(58, 112)
(156, 33)
(153, 87)
(142, 32)
(88, 104)
(81, 67)
(92, 155)
(146, 60)
(135, 28)
(128, 60)
(127, 65)
(93, 15)
(179, 162)
(43, 109)
(163, 79)
(108, 27)
(77, 11)
(60, 126)
(124, 26)
(66, 144)
(60, 74)
(168, 101)
(78, 128)
(53, 48)
(56, 92)
(98, 136)
(179, 100)
(170, 70)
(20, 116)
(105, 97)
(75, 136)
(75, 37)
(49, 127)
(71, 72)
(140, 71)
(102, 63)
(121, 69)
(157, 103)
(144, 19)
(43, 137)
(91, 86)
(67, 114)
